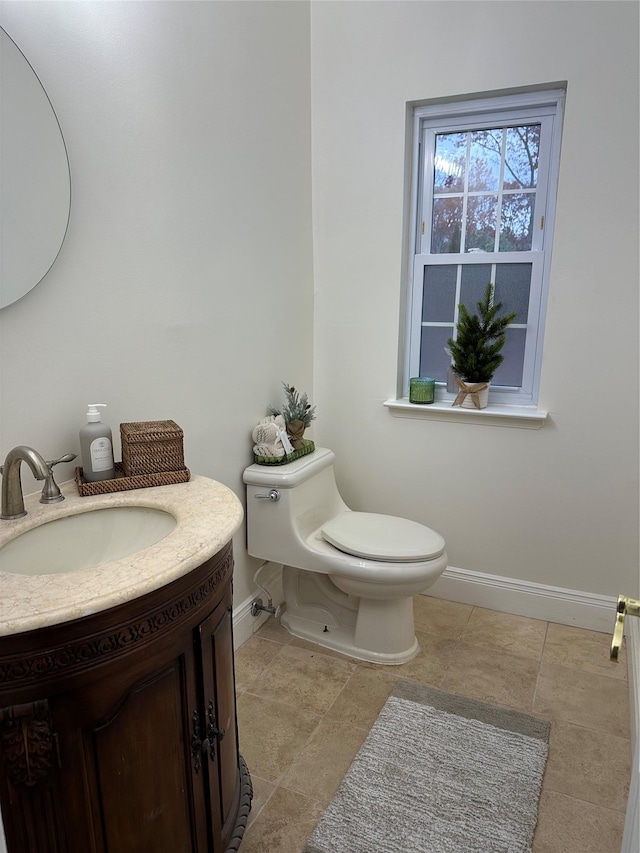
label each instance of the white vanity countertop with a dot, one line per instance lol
(207, 512)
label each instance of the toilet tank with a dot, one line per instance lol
(308, 497)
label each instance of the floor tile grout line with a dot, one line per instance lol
(342, 689)
(586, 728)
(535, 686)
(586, 802)
(452, 657)
(564, 721)
(613, 678)
(550, 789)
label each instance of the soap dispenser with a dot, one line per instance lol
(96, 447)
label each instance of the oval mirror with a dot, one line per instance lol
(35, 199)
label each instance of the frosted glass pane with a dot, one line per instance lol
(484, 159)
(475, 278)
(513, 286)
(439, 294)
(434, 361)
(510, 371)
(447, 225)
(521, 160)
(481, 223)
(516, 222)
(450, 157)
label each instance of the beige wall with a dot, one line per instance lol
(557, 506)
(184, 287)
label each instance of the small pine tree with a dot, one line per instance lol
(296, 408)
(480, 337)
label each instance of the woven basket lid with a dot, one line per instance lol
(151, 430)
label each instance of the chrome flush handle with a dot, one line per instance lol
(274, 495)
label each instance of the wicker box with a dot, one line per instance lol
(151, 447)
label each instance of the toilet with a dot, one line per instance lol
(349, 577)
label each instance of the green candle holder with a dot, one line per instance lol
(421, 390)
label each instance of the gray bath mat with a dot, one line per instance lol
(439, 774)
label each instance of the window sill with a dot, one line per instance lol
(521, 417)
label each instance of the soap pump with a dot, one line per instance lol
(96, 447)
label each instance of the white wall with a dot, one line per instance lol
(557, 506)
(184, 287)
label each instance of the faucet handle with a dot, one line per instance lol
(68, 457)
(51, 493)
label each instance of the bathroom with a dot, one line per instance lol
(227, 233)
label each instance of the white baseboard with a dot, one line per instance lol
(524, 598)
(268, 580)
(244, 624)
(507, 595)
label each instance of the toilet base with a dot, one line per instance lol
(340, 638)
(354, 630)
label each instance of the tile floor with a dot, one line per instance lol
(303, 713)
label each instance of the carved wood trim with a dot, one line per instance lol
(28, 742)
(101, 648)
(246, 795)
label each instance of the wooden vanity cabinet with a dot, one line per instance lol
(118, 731)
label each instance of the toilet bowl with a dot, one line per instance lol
(348, 577)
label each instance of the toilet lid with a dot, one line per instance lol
(383, 537)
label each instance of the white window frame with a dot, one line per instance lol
(544, 106)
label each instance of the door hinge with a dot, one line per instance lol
(542, 223)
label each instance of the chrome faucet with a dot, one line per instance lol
(12, 497)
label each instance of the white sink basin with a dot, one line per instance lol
(85, 540)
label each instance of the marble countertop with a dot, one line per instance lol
(207, 512)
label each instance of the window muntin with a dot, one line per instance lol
(483, 188)
(446, 285)
(485, 174)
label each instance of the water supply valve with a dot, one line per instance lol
(257, 607)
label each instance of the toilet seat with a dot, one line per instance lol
(383, 537)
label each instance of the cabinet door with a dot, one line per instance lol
(144, 768)
(216, 649)
(131, 782)
(110, 769)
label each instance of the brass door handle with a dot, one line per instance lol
(625, 606)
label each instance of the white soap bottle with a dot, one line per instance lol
(96, 447)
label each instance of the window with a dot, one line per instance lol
(484, 183)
